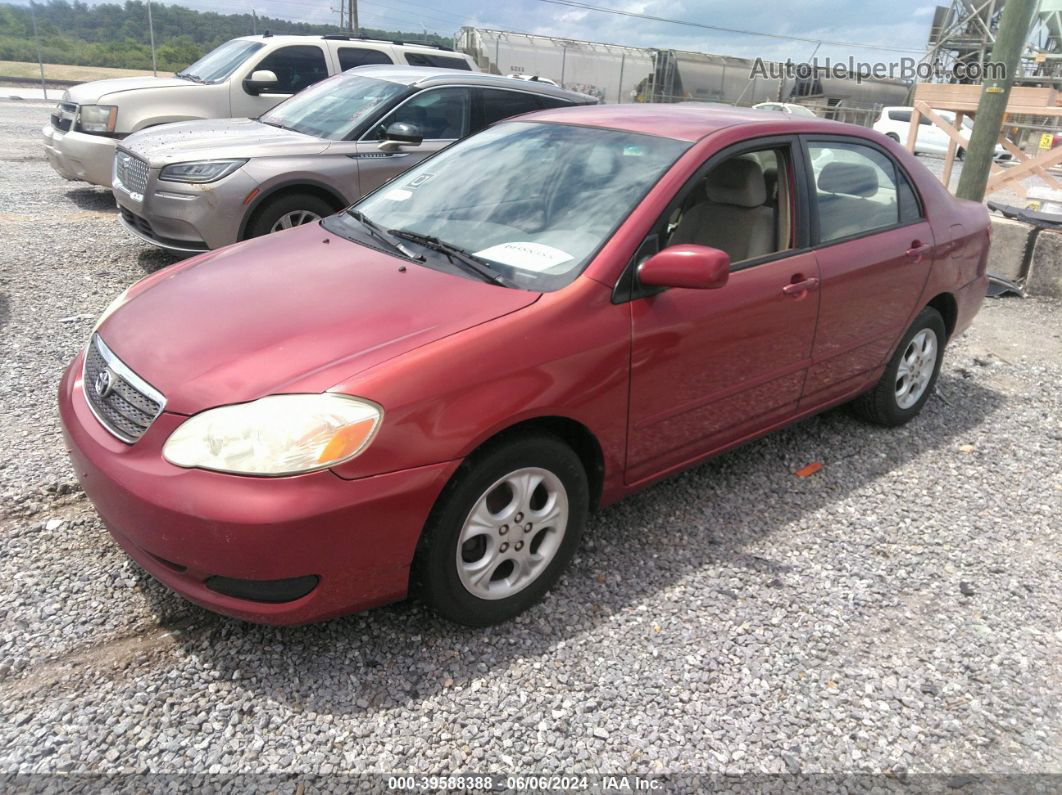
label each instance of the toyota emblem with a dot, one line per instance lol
(104, 383)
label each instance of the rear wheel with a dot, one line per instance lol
(910, 376)
(893, 136)
(503, 532)
(287, 211)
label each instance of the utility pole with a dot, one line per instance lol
(1010, 40)
(352, 16)
(254, 23)
(151, 29)
(40, 60)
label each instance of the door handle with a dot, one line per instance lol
(800, 288)
(917, 249)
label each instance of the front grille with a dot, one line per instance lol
(63, 117)
(131, 171)
(122, 401)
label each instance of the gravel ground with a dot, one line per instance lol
(898, 611)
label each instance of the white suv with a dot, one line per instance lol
(895, 122)
(243, 77)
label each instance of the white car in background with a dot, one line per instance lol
(895, 122)
(787, 107)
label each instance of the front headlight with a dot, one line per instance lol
(277, 435)
(202, 171)
(98, 118)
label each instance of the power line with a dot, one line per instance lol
(588, 7)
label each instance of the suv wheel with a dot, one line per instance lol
(286, 211)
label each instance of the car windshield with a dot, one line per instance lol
(533, 201)
(334, 107)
(221, 62)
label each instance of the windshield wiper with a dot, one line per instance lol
(470, 262)
(377, 231)
(187, 76)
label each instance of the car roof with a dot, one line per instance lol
(424, 76)
(686, 121)
(298, 38)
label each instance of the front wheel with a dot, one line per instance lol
(286, 211)
(504, 530)
(910, 376)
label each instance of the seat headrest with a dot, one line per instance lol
(736, 181)
(852, 179)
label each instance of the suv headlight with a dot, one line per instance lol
(97, 118)
(276, 435)
(201, 171)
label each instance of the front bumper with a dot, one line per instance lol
(80, 156)
(185, 218)
(185, 526)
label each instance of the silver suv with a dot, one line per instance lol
(243, 77)
(199, 185)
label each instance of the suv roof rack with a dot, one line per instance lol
(352, 37)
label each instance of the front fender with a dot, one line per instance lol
(566, 355)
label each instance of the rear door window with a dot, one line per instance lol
(440, 61)
(549, 103)
(497, 104)
(349, 57)
(856, 190)
(296, 68)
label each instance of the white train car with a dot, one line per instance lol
(618, 74)
(607, 71)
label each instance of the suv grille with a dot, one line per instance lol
(131, 171)
(122, 401)
(63, 117)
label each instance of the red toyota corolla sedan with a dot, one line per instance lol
(432, 389)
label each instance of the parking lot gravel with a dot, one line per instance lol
(896, 612)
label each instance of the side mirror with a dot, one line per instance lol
(259, 81)
(400, 134)
(696, 267)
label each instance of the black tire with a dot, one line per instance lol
(893, 136)
(880, 405)
(435, 568)
(960, 153)
(273, 210)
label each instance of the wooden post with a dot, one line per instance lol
(912, 133)
(953, 148)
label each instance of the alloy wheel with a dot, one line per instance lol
(294, 218)
(512, 533)
(916, 368)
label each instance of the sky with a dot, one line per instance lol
(900, 24)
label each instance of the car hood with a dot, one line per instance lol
(91, 93)
(296, 311)
(210, 139)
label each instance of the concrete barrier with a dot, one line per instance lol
(1045, 266)
(1010, 239)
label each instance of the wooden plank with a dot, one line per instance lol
(1021, 157)
(1022, 170)
(943, 95)
(956, 138)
